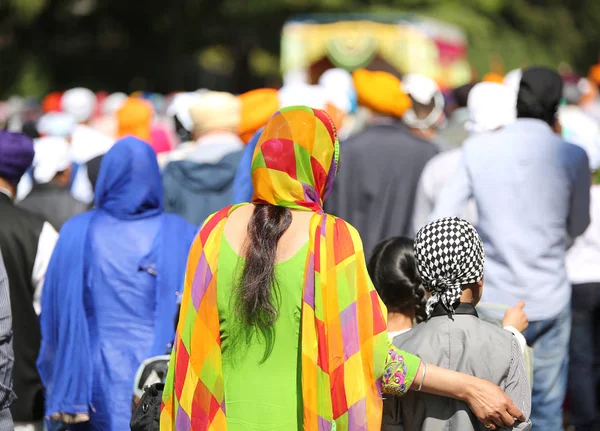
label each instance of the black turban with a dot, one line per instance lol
(540, 93)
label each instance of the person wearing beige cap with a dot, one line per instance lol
(200, 182)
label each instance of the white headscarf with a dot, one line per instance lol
(112, 103)
(51, 157)
(513, 79)
(302, 94)
(79, 102)
(491, 106)
(423, 90)
(180, 108)
(339, 89)
(59, 124)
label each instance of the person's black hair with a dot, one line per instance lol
(182, 133)
(540, 92)
(257, 293)
(93, 170)
(394, 273)
(422, 110)
(461, 95)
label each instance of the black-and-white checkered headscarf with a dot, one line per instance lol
(448, 253)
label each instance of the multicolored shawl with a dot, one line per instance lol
(344, 339)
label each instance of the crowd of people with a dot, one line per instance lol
(207, 226)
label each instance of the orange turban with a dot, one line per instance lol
(493, 77)
(594, 74)
(135, 118)
(51, 102)
(381, 92)
(258, 106)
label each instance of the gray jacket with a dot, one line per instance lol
(466, 344)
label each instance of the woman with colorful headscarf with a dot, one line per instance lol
(281, 327)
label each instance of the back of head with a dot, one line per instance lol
(301, 94)
(129, 184)
(513, 79)
(427, 101)
(339, 88)
(449, 254)
(216, 111)
(293, 168)
(58, 124)
(180, 109)
(393, 272)
(80, 103)
(16, 156)
(134, 118)
(491, 106)
(52, 157)
(112, 103)
(540, 92)
(381, 92)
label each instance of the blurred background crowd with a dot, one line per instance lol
(406, 86)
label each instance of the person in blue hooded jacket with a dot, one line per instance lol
(110, 296)
(199, 178)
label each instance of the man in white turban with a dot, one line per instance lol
(426, 115)
(86, 142)
(50, 196)
(490, 107)
(80, 103)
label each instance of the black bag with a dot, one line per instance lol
(146, 416)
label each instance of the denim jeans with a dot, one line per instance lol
(585, 342)
(550, 341)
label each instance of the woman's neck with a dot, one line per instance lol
(399, 322)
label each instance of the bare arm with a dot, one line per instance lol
(487, 401)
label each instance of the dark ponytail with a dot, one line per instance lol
(257, 291)
(394, 273)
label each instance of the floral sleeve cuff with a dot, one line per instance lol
(400, 371)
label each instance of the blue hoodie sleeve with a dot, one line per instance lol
(242, 183)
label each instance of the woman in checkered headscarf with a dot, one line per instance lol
(449, 254)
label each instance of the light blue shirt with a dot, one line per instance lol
(532, 192)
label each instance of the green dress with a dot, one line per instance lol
(266, 394)
(262, 395)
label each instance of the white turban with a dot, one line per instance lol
(491, 106)
(423, 90)
(215, 110)
(79, 102)
(296, 94)
(112, 103)
(513, 79)
(58, 124)
(180, 108)
(339, 89)
(51, 157)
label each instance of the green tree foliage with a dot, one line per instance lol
(157, 44)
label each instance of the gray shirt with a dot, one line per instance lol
(468, 345)
(377, 182)
(532, 192)
(6, 352)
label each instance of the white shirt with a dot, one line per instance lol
(436, 174)
(583, 258)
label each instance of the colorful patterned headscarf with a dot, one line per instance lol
(343, 324)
